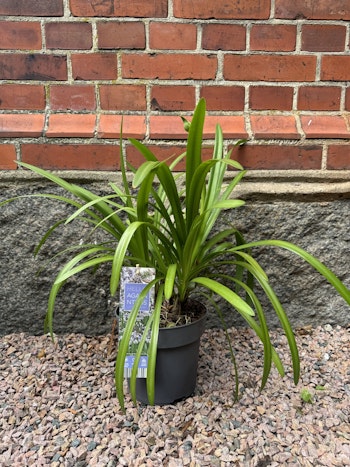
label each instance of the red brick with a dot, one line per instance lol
(136, 8)
(274, 126)
(22, 97)
(123, 97)
(17, 125)
(165, 153)
(338, 157)
(324, 126)
(278, 157)
(33, 67)
(270, 67)
(270, 97)
(323, 38)
(72, 156)
(31, 8)
(170, 98)
(222, 9)
(274, 38)
(17, 35)
(218, 36)
(121, 35)
(134, 126)
(323, 9)
(319, 98)
(347, 99)
(94, 66)
(172, 36)
(226, 98)
(72, 97)
(167, 127)
(335, 68)
(169, 66)
(171, 127)
(232, 126)
(71, 125)
(68, 35)
(7, 157)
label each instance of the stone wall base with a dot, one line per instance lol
(311, 211)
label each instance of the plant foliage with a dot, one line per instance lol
(168, 221)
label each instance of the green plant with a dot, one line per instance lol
(166, 220)
(306, 396)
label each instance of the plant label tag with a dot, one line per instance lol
(133, 280)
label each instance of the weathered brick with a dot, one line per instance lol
(319, 98)
(18, 125)
(270, 67)
(225, 98)
(166, 127)
(218, 36)
(123, 97)
(233, 126)
(162, 152)
(274, 126)
(121, 35)
(323, 38)
(167, 154)
(72, 156)
(17, 35)
(323, 9)
(274, 38)
(172, 36)
(169, 66)
(7, 157)
(222, 9)
(279, 157)
(270, 97)
(324, 126)
(170, 98)
(71, 126)
(31, 8)
(134, 126)
(94, 66)
(335, 68)
(347, 99)
(68, 35)
(171, 127)
(22, 97)
(136, 8)
(72, 97)
(33, 67)
(338, 157)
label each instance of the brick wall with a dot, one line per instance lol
(273, 71)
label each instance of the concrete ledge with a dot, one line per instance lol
(279, 183)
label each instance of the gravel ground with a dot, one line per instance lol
(58, 406)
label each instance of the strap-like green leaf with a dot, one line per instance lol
(227, 294)
(152, 352)
(194, 147)
(314, 262)
(169, 281)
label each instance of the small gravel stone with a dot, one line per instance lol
(58, 406)
(91, 446)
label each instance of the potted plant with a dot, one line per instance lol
(168, 221)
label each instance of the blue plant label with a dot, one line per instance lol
(131, 294)
(133, 281)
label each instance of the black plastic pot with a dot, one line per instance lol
(177, 363)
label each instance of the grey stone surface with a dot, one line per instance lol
(320, 227)
(321, 224)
